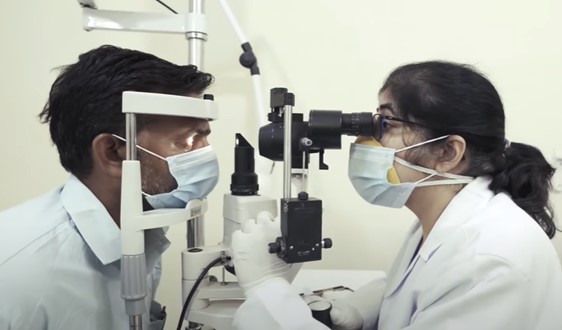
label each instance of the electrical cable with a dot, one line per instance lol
(165, 5)
(194, 288)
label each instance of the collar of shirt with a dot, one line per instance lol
(92, 220)
(462, 207)
(99, 230)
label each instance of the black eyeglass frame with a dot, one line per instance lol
(378, 121)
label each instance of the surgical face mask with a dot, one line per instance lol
(373, 176)
(196, 173)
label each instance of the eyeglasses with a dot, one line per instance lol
(380, 122)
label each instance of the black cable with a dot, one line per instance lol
(194, 288)
(165, 5)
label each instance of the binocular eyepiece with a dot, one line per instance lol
(322, 131)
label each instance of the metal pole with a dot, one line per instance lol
(130, 288)
(287, 156)
(196, 41)
(131, 135)
(195, 232)
(135, 322)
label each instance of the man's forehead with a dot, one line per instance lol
(180, 121)
(153, 122)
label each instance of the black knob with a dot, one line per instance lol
(327, 243)
(209, 97)
(303, 196)
(273, 248)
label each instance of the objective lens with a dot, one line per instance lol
(357, 123)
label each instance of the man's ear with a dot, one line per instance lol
(453, 158)
(108, 154)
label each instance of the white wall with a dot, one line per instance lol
(332, 54)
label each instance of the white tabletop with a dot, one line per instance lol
(317, 279)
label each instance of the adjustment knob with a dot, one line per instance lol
(303, 196)
(279, 247)
(327, 243)
(274, 248)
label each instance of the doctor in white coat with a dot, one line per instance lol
(479, 254)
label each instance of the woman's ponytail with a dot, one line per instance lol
(525, 175)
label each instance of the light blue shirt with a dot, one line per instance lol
(60, 263)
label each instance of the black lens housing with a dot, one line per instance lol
(322, 131)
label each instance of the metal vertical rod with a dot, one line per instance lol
(304, 173)
(195, 42)
(132, 306)
(131, 135)
(135, 322)
(196, 39)
(195, 232)
(287, 155)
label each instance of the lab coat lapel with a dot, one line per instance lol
(404, 263)
(467, 202)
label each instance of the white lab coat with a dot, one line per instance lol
(485, 265)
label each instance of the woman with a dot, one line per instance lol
(479, 256)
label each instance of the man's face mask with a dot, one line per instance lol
(196, 173)
(373, 176)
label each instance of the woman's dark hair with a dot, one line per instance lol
(85, 99)
(453, 98)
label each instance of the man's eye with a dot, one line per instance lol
(186, 143)
(190, 140)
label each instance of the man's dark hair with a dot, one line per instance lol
(85, 99)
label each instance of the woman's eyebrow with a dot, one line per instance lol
(386, 106)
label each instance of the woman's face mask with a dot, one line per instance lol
(371, 171)
(196, 173)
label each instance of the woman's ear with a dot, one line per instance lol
(108, 154)
(453, 158)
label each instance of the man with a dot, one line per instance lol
(60, 253)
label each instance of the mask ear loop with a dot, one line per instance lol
(453, 178)
(417, 145)
(141, 148)
(430, 171)
(145, 150)
(426, 178)
(422, 143)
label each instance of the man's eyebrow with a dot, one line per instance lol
(386, 106)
